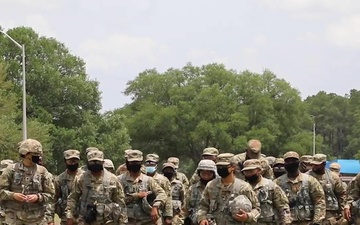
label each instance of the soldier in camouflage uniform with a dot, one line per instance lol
(143, 195)
(208, 153)
(306, 195)
(26, 188)
(253, 151)
(335, 167)
(122, 168)
(353, 199)
(305, 163)
(109, 166)
(89, 149)
(179, 176)
(151, 165)
(64, 183)
(4, 164)
(206, 171)
(177, 192)
(274, 205)
(99, 193)
(335, 194)
(278, 167)
(214, 203)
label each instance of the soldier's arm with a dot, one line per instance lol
(50, 209)
(5, 179)
(118, 197)
(74, 196)
(281, 203)
(168, 209)
(318, 197)
(186, 206)
(204, 205)
(353, 190)
(340, 191)
(194, 179)
(255, 211)
(48, 188)
(159, 192)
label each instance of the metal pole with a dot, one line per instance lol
(24, 95)
(22, 47)
(314, 138)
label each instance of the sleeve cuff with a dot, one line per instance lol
(157, 204)
(250, 217)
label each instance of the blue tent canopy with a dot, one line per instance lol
(348, 166)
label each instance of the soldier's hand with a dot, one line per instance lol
(142, 194)
(168, 221)
(241, 216)
(347, 214)
(204, 222)
(19, 197)
(32, 198)
(69, 221)
(154, 214)
(51, 223)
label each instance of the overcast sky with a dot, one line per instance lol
(313, 44)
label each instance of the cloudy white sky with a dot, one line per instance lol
(313, 44)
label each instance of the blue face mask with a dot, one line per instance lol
(150, 169)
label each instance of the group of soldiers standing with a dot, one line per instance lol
(225, 189)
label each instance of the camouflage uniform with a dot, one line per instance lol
(179, 176)
(4, 164)
(193, 195)
(139, 210)
(305, 161)
(271, 160)
(63, 186)
(167, 211)
(33, 180)
(306, 196)
(206, 152)
(122, 168)
(214, 203)
(253, 152)
(274, 204)
(335, 194)
(101, 198)
(335, 167)
(353, 194)
(278, 167)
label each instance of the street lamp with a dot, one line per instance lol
(314, 134)
(22, 47)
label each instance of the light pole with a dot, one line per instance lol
(314, 134)
(24, 120)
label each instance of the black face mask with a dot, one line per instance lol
(279, 173)
(253, 178)
(169, 175)
(134, 168)
(320, 170)
(292, 167)
(223, 171)
(35, 159)
(73, 167)
(95, 167)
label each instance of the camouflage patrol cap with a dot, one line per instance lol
(152, 158)
(271, 160)
(254, 145)
(335, 167)
(30, 146)
(126, 152)
(210, 151)
(279, 161)
(167, 164)
(90, 149)
(291, 154)
(135, 156)
(306, 158)
(251, 164)
(318, 159)
(5, 163)
(108, 164)
(71, 154)
(174, 161)
(225, 159)
(95, 155)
